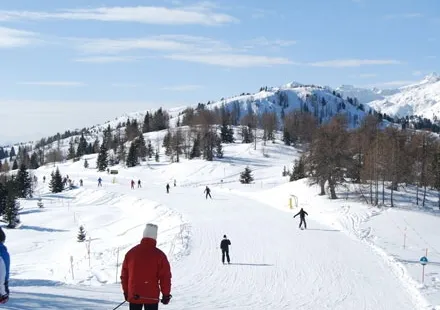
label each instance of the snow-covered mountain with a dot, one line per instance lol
(365, 95)
(322, 102)
(422, 98)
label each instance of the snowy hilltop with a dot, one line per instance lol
(365, 95)
(419, 99)
(322, 102)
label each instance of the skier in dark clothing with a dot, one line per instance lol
(132, 184)
(302, 215)
(100, 182)
(139, 184)
(168, 188)
(224, 245)
(208, 192)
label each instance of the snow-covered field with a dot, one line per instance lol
(350, 257)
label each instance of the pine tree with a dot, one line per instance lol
(150, 150)
(246, 176)
(132, 159)
(86, 164)
(15, 165)
(3, 196)
(81, 234)
(11, 211)
(82, 146)
(227, 134)
(56, 182)
(141, 147)
(96, 146)
(12, 154)
(71, 154)
(35, 163)
(24, 183)
(298, 171)
(219, 148)
(121, 152)
(146, 126)
(195, 151)
(102, 161)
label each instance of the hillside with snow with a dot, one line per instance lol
(365, 95)
(350, 256)
(419, 99)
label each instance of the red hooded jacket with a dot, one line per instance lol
(146, 272)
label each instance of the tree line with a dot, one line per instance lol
(378, 157)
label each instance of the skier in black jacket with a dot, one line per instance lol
(208, 192)
(302, 215)
(224, 245)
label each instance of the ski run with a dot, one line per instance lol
(351, 256)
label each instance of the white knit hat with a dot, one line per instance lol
(150, 231)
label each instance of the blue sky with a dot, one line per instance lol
(83, 62)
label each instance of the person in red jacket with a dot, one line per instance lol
(145, 273)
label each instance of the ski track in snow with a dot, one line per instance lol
(332, 265)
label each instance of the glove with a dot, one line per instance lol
(166, 299)
(136, 297)
(4, 299)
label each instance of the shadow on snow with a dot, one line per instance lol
(41, 229)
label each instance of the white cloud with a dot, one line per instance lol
(264, 42)
(201, 14)
(431, 57)
(52, 83)
(231, 60)
(13, 38)
(182, 88)
(107, 59)
(403, 16)
(174, 43)
(417, 73)
(367, 75)
(341, 63)
(263, 13)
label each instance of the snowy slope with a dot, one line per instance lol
(343, 261)
(422, 99)
(365, 95)
(320, 101)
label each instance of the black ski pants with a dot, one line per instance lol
(303, 220)
(225, 253)
(145, 306)
(208, 194)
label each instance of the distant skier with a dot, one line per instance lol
(100, 182)
(139, 184)
(80, 182)
(4, 269)
(302, 215)
(208, 192)
(224, 245)
(132, 184)
(174, 183)
(168, 188)
(44, 179)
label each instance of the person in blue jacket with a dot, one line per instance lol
(4, 269)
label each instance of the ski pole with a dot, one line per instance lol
(120, 305)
